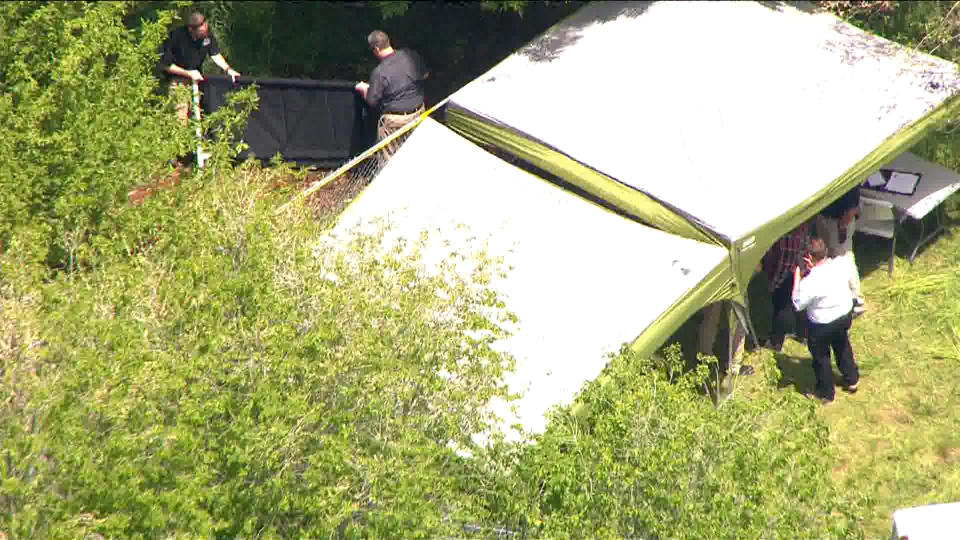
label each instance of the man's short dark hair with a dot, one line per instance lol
(378, 39)
(817, 249)
(196, 20)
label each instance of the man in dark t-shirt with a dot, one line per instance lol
(183, 54)
(395, 87)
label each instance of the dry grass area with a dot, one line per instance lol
(328, 201)
(167, 178)
(325, 202)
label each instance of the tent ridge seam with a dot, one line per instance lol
(699, 224)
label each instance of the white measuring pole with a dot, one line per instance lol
(201, 155)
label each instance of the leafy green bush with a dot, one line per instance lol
(217, 373)
(237, 378)
(81, 122)
(653, 458)
(240, 378)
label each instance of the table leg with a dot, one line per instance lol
(938, 215)
(893, 249)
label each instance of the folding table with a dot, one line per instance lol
(883, 213)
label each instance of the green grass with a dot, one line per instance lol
(897, 441)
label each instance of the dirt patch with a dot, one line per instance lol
(330, 199)
(169, 180)
(324, 202)
(840, 468)
(894, 416)
(949, 454)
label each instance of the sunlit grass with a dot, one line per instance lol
(897, 441)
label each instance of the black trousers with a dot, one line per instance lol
(785, 317)
(822, 339)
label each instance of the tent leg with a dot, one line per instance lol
(893, 248)
(743, 315)
(738, 328)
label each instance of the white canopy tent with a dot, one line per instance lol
(721, 125)
(731, 120)
(583, 281)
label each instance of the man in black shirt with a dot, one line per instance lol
(183, 53)
(396, 87)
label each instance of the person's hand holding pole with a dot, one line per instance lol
(195, 75)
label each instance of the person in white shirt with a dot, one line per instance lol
(825, 295)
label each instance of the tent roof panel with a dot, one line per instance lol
(583, 280)
(697, 103)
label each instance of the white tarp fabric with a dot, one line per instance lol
(733, 112)
(583, 282)
(930, 522)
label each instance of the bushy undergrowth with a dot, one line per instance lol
(82, 122)
(234, 375)
(200, 369)
(649, 456)
(237, 378)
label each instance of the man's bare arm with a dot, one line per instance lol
(221, 62)
(191, 74)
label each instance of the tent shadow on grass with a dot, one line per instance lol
(873, 252)
(760, 313)
(796, 372)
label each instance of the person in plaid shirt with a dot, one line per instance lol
(779, 263)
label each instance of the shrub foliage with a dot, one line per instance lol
(211, 371)
(81, 119)
(652, 457)
(237, 378)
